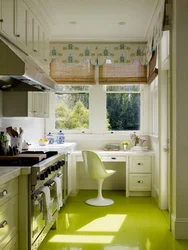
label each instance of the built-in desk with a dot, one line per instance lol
(137, 168)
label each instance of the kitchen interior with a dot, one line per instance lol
(41, 164)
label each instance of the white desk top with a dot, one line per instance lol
(117, 153)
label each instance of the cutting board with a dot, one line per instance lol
(38, 157)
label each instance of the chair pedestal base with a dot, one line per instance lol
(99, 202)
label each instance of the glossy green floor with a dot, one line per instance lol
(132, 223)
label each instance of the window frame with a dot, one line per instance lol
(100, 113)
(75, 131)
(141, 92)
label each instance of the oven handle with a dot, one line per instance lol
(38, 197)
(50, 185)
(60, 176)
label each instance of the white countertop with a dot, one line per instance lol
(61, 148)
(8, 173)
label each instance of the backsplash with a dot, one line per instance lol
(33, 127)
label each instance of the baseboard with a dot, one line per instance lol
(179, 227)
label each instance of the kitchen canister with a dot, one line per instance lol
(50, 138)
(60, 137)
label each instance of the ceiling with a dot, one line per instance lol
(98, 20)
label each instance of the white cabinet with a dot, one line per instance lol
(23, 104)
(9, 215)
(19, 25)
(139, 175)
(7, 13)
(21, 15)
(38, 104)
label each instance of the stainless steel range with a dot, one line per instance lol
(42, 193)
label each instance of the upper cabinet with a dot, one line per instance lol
(21, 26)
(21, 15)
(7, 14)
(28, 104)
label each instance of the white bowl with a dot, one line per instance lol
(44, 143)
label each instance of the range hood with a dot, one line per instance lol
(20, 72)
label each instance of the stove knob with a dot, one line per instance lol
(53, 168)
(42, 176)
(49, 170)
(56, 166)
(46, 173)
(61, 163)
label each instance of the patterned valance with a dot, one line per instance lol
(155, 33)
(118, 53)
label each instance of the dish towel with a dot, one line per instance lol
(47, 204)
(58, 192)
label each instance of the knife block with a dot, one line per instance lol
(16, 142)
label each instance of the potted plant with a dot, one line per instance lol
(125, 144)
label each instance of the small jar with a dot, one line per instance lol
(60, 137)
(50, 138)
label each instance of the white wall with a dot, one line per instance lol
(33, 127)
(179, 120)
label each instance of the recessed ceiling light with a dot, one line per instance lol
(121, 23)
(73, 22)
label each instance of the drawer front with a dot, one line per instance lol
(139, 182)
(8, 220)
(13, 244)
(8, 190)
(113, 158)
(140, 165)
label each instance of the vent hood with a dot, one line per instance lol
(20, 72)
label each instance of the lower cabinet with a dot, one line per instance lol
(139, 176)
(9, 215)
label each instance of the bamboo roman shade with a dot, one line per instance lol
(153, 71)
(135, 72)
(83, 73)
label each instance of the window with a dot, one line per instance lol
(72, 107)
(123, 107)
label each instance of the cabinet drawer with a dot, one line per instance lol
(113, 158)
(8, 221)
(8, 190)
(139, 182)
(13, 244)
(140, 165)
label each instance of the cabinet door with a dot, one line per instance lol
(37, 104)
(7, 18)
(46, 49)
(35, 42)
(21, 23)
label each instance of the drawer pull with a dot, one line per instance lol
(140, 164)
(113, 158)
(3, 224)
(140, 182)
(3, 193)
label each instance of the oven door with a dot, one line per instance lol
(53, 191)
(37, 220)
